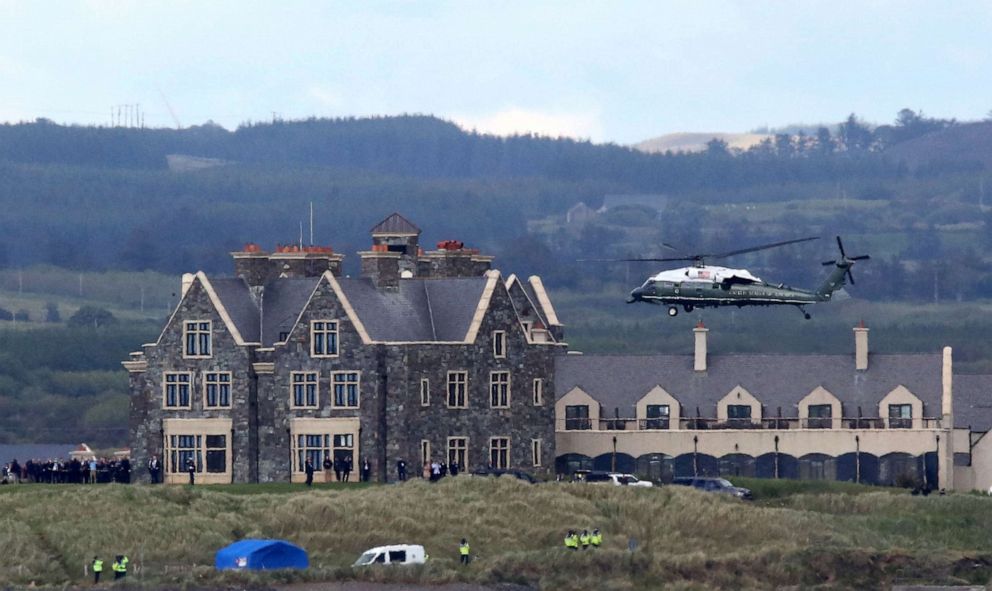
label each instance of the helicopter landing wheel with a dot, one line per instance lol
(673, 311)
(688, 308)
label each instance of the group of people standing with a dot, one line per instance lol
(342, 468)
(573, 539)
(74, 471)
(436, 470)
(119, 567)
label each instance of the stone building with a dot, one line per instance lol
(866, 417)
(425, 355)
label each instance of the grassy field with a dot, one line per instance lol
(807, 534)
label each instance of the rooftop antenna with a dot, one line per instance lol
(311, 223)
(301, 234)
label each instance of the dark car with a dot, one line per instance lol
(519, 474)
(719, 485)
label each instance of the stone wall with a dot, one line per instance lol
(147, 392)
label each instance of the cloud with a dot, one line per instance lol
(577, 124)
(326, 98)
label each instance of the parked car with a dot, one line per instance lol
(395, 554)
(518, 474)
(718, 485)
(614, 478)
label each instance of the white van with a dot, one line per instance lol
(395, 554)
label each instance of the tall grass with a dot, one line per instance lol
(684, 538)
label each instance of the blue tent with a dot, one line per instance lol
(261, 555)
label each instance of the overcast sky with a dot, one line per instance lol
(609, 71)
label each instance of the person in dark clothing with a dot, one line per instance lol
(308, 468)
(337, 469)
(191, 468)
(454, 468)
(401, 470)
(97, 569)
(155, 469)
(347, 468)
(366, 470)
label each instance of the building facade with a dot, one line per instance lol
(427, 355)
(869, 418)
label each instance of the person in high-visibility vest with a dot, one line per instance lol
(97, 569)
(596, 539)
(120, 567)
(464, 551)
(584, 539)
(571, 540)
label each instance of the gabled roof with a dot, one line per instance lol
(395, 224)
(236, 297)
(421, 310)
(282, 302)
(775, 380)
(973, 402)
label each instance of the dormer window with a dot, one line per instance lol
(499, 344)
(196, 336)
(900, 416)
(820, 416)
(323, 338)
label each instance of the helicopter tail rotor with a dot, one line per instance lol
(845, 262)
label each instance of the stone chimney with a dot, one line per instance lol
(700, 360)
(382, 267)
(861, 347)
(257, 267)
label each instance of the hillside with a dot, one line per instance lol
(696, 141)
(967, 145)
(835, 536)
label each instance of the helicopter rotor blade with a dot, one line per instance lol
(850, 277)
(639, 260)
(721, 255)
(840, 245)
(863, 257)
(828, 263)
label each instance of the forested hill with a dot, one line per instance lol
(428, 147)
(105, 197)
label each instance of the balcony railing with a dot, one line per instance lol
(771, 423)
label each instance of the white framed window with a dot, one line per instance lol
(324, 338)
(175, 389)
(345, 387)
(499, 389)
(314, 447)
(538, 392)
(499, 452)
(458, 451)
(217, 389)
(208, 453)
(425, 392)
(196, 338)
(303, 389)
(499, 344)
(457, 389)
(535, 452)
(425, 452)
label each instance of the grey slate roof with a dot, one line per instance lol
(421, 310)
(775, 380)
(395, 224)
(282, 301)
(973, 402)
(34, 451)
(236, 295)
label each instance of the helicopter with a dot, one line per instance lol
(708, 286)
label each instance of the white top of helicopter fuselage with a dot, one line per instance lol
(705, 274)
